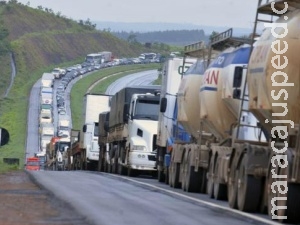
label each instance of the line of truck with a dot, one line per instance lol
(228, 126)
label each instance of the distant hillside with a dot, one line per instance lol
(150, 27)
(170, 37)
(40, 38)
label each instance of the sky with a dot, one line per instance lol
(231, 13)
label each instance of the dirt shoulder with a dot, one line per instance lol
(24, 202)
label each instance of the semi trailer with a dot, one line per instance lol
(85, 152)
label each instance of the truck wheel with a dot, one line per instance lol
(204, 180)
(249, 189)
(132, 172)
(192, 179)
(121, 169)
(100, 164)
(109, 167)
(166, 169)
(210, 178)
(161, 176)
(115, 165)
(292, 195)
(220, 190)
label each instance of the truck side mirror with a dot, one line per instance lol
(84, 128)
(180, 70)
(4, 136)
(238, 76)
(163, 104)
(125, 112)
(236, 93)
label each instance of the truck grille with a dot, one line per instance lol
(151, 158)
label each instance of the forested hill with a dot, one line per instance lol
(39, 38)
(171, 37)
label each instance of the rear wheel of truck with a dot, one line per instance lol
(160, 176)
(193, 179)
(220, 189)
(249, 189)
(132, 172)
(289, 205)
(121, 169)
(115, 164)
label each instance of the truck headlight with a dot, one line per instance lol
(139, 147)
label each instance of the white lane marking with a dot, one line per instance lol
(257, 218)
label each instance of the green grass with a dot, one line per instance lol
(80, 88)
(6, 168)
(13, 113)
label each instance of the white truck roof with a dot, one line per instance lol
(47, 90)
(47, 76)
(93, 106)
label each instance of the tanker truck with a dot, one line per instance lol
(167, 119)
(273, 81)
(132, 131)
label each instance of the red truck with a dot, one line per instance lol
(32, 163)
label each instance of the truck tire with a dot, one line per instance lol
(132, 172)
(161, 176)
(121, 169)
(249, 189)
(220, 190)
(115, 164)
(293, 198)
(192, 179)
(166, 169)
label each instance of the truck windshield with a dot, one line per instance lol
(196, 68)
(146, 108)
(96, 130)
(62, 146)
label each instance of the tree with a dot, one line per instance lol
(214, 33)
(13, 1)
(132, 38)
(58, 14)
